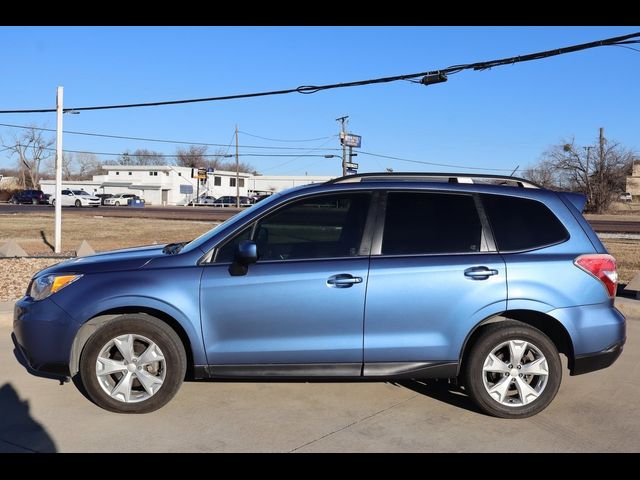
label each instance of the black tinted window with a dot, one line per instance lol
(320, 227)
(522, 224)
(430, 223)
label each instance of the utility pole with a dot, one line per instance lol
(58, 193)
(237, 172)
(343, 132)
(601, 145)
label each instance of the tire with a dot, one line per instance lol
(483, 373)
(34, 201)
(53, 202)
(163, 377)
(78, 203)
(117, 204)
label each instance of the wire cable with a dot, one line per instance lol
(423, 162)
(103, 135)
(309, 89)
(281, 140)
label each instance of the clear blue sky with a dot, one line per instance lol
(499, 118)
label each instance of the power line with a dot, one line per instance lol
(308, 89)
(177, 142)
(166, 155)
(423, 162)
(308, 151)
(293, 157)
(281, 140)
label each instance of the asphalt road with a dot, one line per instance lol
(594, 412)
(217, 214)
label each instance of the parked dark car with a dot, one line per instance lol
(103, 197)
(29, 196)
(230, 201)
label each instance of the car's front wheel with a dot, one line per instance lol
(117, 204)
(512, 370)
(133, 364)
(78, 203)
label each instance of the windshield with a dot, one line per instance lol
(205, 237)
(80, 192)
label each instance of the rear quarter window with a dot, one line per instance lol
(522, 223)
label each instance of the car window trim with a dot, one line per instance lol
(487, 233)
(209, 257)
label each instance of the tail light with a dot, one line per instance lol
(601, 266)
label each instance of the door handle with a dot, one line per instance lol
(343, 280)
(479, 273)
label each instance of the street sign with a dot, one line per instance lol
(186, 189)
(351, 140)
(199, 173)
(351, 171)
(353, 166)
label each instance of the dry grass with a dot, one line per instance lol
(34, 233)
(627, 253)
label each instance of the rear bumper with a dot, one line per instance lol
(597, 361)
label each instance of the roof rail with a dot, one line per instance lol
(434, 177)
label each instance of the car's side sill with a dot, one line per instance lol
(411, 369)
(376, 370)
(295, 370)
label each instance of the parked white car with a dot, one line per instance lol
(76, 198)
(625, 197)
(203, 200)
(121, 199)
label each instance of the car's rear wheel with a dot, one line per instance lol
(512, 370)
(53, 202)
(133, 364)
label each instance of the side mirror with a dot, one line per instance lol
(246, 253)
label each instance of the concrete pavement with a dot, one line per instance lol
(594, 412)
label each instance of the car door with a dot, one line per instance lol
(67, 198)
(434, 274)
(300, 307)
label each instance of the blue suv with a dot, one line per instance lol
(374, 276)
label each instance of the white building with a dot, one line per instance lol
(260, 184)
(171, 185)
(157, 185)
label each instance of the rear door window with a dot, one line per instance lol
(522, 223)
(431, 223)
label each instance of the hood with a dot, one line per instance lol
(112, 261)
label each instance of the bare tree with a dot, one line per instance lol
(67, 166)
(32, 149)
(88, 166)
(598, 171)
(194, 156)
(142, 156)
(230, 166)
(197, 156)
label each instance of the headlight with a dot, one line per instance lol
(47, 285)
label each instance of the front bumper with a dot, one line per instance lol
(597, 361)
(44, 334)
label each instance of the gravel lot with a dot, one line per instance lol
(15, 274)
